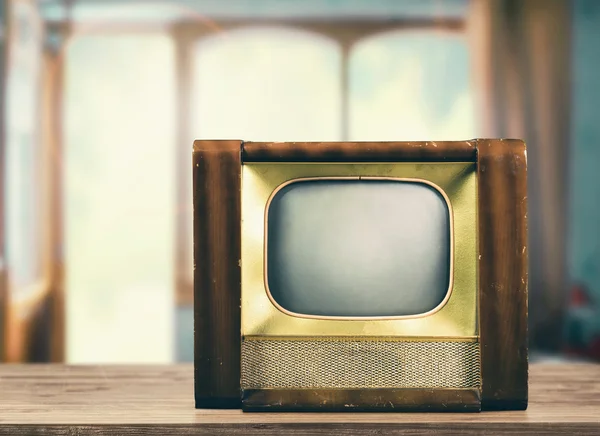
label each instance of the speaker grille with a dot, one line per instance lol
(340, 363)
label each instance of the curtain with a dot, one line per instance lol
(521, 61)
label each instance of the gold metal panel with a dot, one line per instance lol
(347, 363)
(456, 318)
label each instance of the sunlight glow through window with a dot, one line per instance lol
(119, 202)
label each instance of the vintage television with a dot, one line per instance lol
(367, 276)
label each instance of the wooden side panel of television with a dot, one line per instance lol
(501, 171)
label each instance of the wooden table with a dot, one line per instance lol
(148, 400)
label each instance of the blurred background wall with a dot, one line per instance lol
(101, 101)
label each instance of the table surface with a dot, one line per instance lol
(60, 399)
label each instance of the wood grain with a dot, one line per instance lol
(156, 400)
(217, 275)
(448, 151)
(502, 197)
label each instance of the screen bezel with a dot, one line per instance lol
(456, 318)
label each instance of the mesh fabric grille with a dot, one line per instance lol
(347, 364)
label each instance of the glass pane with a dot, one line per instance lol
(23, 152)
(411, 86)
(120, 198)
(267, 84)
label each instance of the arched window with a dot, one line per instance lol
(267, 84)
(119, 189)
(260, 83)
(411, 85)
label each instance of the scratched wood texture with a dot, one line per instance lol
(502, 212)
(217, 275)
(417, 151)
(157, 400)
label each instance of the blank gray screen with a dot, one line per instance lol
(358, 248)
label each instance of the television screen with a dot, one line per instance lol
(358, 248)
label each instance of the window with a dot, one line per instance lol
(411, 86)
(24, 238)
(119, 181)
(261, 84)
(254, 83)
(268, 84)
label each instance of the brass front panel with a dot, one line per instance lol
(457, 318)
(347, 363)
(362, 400)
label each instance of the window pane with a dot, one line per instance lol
(120, 198)
(267, 84)
(23, 153)
(411, 86)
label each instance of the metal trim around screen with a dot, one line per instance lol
(456, 317)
